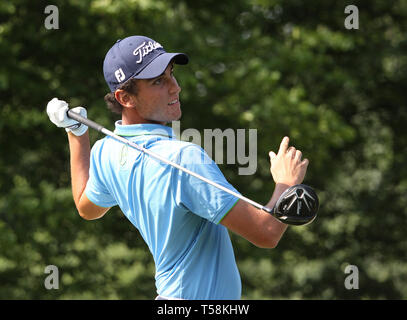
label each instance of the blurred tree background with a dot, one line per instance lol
(283, 67)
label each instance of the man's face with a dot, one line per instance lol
(157, 99)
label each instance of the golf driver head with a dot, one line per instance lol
(298, 205)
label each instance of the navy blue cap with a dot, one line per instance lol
(137, 57)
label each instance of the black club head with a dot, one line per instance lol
(298, 205)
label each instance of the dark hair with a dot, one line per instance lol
(112, 104)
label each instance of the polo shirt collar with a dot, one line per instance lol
(142, 129)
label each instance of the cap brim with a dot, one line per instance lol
(157, 67)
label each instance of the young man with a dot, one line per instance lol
(183, 220)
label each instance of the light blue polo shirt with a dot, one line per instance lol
(177, 214)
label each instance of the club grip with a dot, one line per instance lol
(85, 121)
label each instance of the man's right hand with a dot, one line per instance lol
(56, 110)
(286, 167)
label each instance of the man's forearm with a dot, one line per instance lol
(79, 158)
(255, 225)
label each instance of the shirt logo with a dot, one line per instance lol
(144, 49)
(123, 155)
(119, 75)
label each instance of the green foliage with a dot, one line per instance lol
(281, 67)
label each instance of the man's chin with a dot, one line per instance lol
(176, 116)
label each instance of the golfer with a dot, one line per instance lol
(183, 220)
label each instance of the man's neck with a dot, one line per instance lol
(133, 117)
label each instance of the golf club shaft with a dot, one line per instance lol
(98, 127)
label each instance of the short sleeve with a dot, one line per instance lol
(199, 197)
(96, 190)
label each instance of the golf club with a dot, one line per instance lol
(298, 205)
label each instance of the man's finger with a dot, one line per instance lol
(61, 112)
(283, 146)
(298, 155)
(272, 155)
(292, 151)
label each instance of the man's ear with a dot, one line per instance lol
(126, 99)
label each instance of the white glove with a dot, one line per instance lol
(56, 110)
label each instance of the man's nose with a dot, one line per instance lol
(174, 87)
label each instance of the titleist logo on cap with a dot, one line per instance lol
(144, 49)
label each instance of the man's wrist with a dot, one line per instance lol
(281, 187)
(278, 191)
(77, 130)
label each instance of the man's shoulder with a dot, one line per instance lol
(99, 143)
(181, 152)
(184, 145)
(187, 147)
(173, 149)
